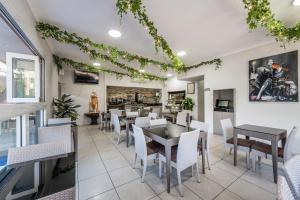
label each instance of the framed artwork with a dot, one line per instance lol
(274, 78)
(191, 88)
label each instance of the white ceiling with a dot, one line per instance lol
(203, 28)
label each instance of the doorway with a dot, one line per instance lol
(201, 99)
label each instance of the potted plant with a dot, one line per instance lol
(188, 104)
(63, 107)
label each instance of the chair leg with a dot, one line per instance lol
(179, 183)
(230, 151)
(208, 160)
(253, 163)
(192, 170)
(159, 167)
(223, 154)
(197, 173)
(119, 138)
(259, 161)
(144, 170)
(135, 157)
(248, 159)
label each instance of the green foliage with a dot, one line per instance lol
(260, 14)
(188, 104)
(63, 107)
(82, 66)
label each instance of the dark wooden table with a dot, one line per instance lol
(266, 133)
(169, 135)
(94, 117)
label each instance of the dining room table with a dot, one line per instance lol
(274, 135)
(168, 135)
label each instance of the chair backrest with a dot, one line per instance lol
(289, 145)
(283, 190)
(140, 147)
(152, 115)
(181, 118)
(156, 110)
(132, 114)
(199, 125)
(142, 122)
(156, 122)
(116, 111)
(116, 122)
(292, 174)
(56, 134)
(187, 149)
(59, 120)
(227, 128)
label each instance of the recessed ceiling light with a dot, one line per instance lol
(142, 70)
(296, 2)
(181, 53)
(169, 75)
(114, 33)
(97, 64)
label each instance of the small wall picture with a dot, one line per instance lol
(274, 78)
(191, 88)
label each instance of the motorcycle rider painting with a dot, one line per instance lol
(274, 78)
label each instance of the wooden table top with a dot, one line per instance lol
(261, 129)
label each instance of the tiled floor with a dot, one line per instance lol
(105, 173)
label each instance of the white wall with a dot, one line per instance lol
(81, 92)
(22, 14)
(234, 74)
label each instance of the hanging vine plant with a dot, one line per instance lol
(60, 62)
(217, 62)
(139, 12)
(260, 14)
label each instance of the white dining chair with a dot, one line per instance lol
(242, 144)
(142, 122)
(52, 121)
(184, 156)
(292, 175)
(157, 122)
(118, 131)
(157, 110)
(144, 151)
(263, 150)
(283, 190)
(152, 115)
(182, 117)
(114, 112)
(203, 127)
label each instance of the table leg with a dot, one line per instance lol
(274, 144)
(234, 146)
(168, 166)
(203, 154)
(127, 133)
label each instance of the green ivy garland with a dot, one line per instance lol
(139, 11)
(52, 31)
(259, 13)
(83, 66)
(217, 62)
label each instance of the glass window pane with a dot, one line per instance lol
(7, 139)
(23, 78)
(34, 124)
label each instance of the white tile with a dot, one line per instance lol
(227, 195)
(94, 186)
(135, 190)
(156, 198)
(110, 154)
(123, 175)
(229, 167)
(115, 163)
(88, 170)
(109, 195)
(220, 176)
(206, 189)
(174, 194)
(90, 159)
(250, 191)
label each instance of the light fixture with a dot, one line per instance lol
(181, 53)
(141, 70)
(169, 75)
(296, 2)
(97, 64)
(114, 33)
